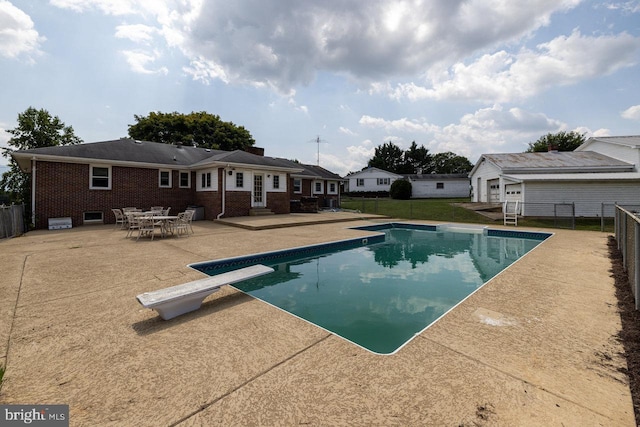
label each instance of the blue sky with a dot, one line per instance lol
(472, 77)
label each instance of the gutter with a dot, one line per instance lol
(33, 191)
(224, 192)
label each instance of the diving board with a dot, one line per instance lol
(180, 299)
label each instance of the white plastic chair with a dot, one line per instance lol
(510, 212)
(120, 218)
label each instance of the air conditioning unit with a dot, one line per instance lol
(59, 223)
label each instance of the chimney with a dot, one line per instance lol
(258, 151)
(552, 148)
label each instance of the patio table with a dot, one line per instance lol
(164, 221)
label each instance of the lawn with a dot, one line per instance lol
(446, 210)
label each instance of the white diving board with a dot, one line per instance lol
(180, 299)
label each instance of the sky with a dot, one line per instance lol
(466, 76)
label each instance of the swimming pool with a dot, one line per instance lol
(380, 291)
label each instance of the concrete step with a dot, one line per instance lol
(260, 211)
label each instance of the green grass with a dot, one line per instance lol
(444, 210)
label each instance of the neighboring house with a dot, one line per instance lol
(598, 173)
(315, 182)
(85, 181)
(439, 185)
(374, 180)
(370, 180)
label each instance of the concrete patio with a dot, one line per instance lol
(72, 332)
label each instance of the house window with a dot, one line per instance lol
(185, 179)
(165, 179)
(276, 181)
(440, 185)
(332, 188)
(100, 177)
(297, 185)
(317, 187)
(384, 181)
(239, 179)
(360, 182)
(205, 180)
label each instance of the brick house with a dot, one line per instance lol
(314, 187)
(85, 181)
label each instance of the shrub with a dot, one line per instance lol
(400, 189)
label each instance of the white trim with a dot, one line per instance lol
(329, 187)
(170, 185)
(212, 181)
(313, 187)
(299, 191)
(180, 179)
(109, 176)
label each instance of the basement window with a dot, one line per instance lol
(94, 217)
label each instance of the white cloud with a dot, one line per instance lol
(346, 131)
(505, 77)
(139, 62)
(109, 7)
(18, 36)
(632, 113)
(138, 33)
(487, 130)
(403, 124)
(282, 45)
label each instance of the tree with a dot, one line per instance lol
(387, 157)
(561, 141)
(199, 128)
(36, 129)
(416, 159)
(448, 162)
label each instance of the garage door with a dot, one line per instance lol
(513, 192)
(494, 190)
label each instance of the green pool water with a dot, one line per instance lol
(381, 295)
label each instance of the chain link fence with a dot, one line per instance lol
(627, 231)
(12, 222)
(567, 215)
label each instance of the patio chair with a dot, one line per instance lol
(146, 227)
(189, 214)
(180, 225)
(166, 211)
(120, 218)
(133, 223)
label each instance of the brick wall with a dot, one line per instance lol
(62, 190)
(237, 203)
(279, 203)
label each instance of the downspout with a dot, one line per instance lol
(224, 192)
(33, 192)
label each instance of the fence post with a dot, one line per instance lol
(636, 270)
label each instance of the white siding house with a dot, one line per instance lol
(601, 171)
(371, 180)
(439, 185)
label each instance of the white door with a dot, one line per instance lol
(494, 190)
(258, 199)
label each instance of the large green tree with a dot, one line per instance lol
(36, 129)
(415, 159)
(387, 157)
(448, 162)
(561, 141)
(200, 128)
